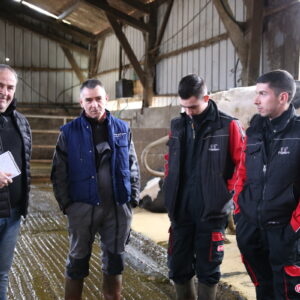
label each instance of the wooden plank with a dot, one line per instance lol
(69, 10)
(120, 15)
(138, 5)
(74, 64)
(127, 48)
(103, 34)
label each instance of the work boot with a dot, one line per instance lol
(73, 289)
(112, 286)
(207, 292)
(185, 291)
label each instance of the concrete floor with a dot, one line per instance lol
(38, 269)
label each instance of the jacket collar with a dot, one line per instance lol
(211, 118)
(260, 124)
(85, 118)
(211, 112)
(9, 112)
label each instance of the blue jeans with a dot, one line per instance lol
(9, 230)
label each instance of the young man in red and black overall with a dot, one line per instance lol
(204, 171)
(268, 209)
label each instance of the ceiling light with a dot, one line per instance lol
(40, 10)
(67, 22)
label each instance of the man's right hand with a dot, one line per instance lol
(5, 179)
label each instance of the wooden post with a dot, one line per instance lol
(150, 58)
(255, 37)
(73, 64)
(93, 59)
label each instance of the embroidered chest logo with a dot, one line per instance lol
(213, 147)
(117, 135)
(297, 288)
(284, 151)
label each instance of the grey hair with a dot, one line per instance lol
(7, 67)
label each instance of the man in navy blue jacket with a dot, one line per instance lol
(96, 180)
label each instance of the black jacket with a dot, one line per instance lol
(219, 151)
(272, 188)
(25, 131)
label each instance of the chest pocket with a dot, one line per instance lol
(215, 149)
(174, 150)
(254, 161)
(286, 159)
(121, 140)
(122, 153)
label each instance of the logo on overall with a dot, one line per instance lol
(213, 147)
(284, 151)
(220, 248)
(297, 288)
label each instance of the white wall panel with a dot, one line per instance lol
(29, 50)
(108, 81)
(190, 22)
(110, 55)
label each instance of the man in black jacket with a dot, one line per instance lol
(268, 209)
(15, 136)
(203, 172)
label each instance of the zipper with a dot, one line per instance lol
(263, 196)
(193, 129)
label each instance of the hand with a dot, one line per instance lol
(5, 179)
(133, 203)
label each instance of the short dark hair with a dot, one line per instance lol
(192, 85)
(91, 84)
(279, 81)
(7, 67)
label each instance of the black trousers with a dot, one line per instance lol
(272, 259)
(196, 248)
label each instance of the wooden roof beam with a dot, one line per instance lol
(127, 48)
(138, 5)
(22, 23)
(69, 10)
(73, 64)
(14, 8)
(140, 25)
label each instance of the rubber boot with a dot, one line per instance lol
(185, 291)
(207, 292)
(73, 289)
(112, 287)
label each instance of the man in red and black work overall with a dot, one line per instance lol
(204, 171)
(268, 209)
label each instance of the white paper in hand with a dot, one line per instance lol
(8, 164)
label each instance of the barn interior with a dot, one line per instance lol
(140, 49)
